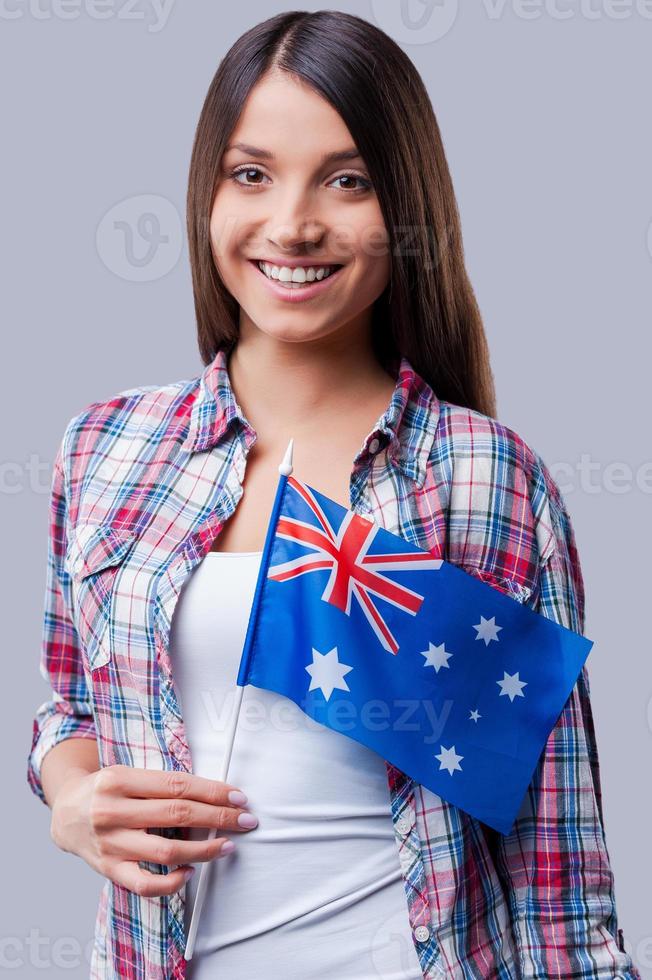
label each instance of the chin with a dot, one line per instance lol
(290, 325)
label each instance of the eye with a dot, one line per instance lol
(248, 170)
(366, 184)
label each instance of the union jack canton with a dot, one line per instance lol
(354, 572)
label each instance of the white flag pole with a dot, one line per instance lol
(285, 469)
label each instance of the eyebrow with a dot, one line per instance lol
(334, 157)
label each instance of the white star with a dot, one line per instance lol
(327, 672)
(436, 656)
(487, 630)
(511, 686)
(474, 715)
(449, 759)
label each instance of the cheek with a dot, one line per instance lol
(373, 274)
(225, 236)
(379, 272)
(372, 250)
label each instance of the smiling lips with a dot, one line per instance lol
(296, 284)
(296, 274)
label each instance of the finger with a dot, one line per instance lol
(138, 845)
(126, 813)
(147, 883)
(157, 784)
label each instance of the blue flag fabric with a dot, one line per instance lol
(452, 681)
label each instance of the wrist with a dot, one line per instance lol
(66, 807)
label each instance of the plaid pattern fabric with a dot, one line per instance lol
(141, 486)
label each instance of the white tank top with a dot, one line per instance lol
(315, 890)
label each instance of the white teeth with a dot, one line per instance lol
(301, 274)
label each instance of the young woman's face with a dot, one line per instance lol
(280, 202)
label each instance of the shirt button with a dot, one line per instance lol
(374, 445)
(403, 825)
(422, 934)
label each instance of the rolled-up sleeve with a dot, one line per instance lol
(68, 713)
(554, 864)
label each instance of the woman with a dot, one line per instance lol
(333, 306)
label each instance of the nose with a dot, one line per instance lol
(289, 234)
(294, 225)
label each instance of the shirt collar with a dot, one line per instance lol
(407, 426)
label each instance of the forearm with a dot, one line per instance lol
(68, 758)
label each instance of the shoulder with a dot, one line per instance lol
(126, 422)
(466, 434)
(506, 512)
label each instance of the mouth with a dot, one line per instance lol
(296, 283)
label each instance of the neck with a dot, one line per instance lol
(296, 385)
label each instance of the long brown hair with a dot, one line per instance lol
(428, 312)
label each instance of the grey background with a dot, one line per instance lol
(544, 110)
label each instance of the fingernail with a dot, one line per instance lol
(188, 874)
(227, 847)
(247, 820)
(235, 796)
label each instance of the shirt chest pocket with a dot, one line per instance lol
(95, 561)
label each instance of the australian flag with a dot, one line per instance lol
(452, 681)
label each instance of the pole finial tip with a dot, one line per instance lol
(285, 469)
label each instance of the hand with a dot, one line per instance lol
(103, 817)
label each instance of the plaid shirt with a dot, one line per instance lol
(141, 486)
